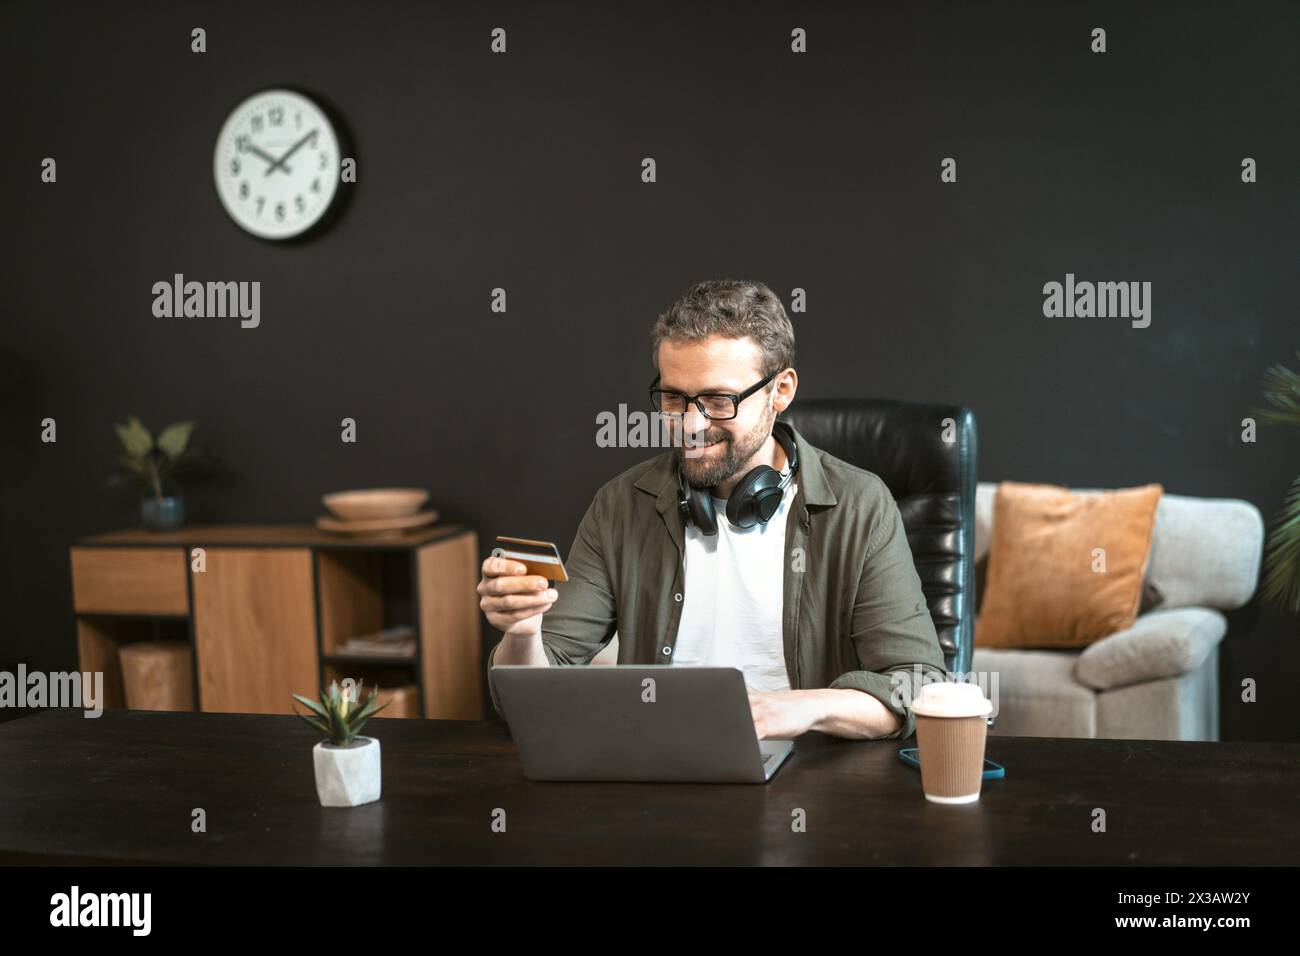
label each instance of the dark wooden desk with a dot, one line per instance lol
(122, 788)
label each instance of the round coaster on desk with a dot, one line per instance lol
(377, 525)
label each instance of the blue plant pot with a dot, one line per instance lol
(163, 514)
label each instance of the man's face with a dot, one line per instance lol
(709, 451)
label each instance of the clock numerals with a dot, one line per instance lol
(266, 177)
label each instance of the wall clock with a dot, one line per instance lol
(277, 164)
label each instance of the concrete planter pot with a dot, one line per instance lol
(347, 776)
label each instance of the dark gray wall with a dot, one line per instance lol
(817, 171)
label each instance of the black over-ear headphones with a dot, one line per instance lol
(757, 495)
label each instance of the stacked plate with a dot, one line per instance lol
(376, 511)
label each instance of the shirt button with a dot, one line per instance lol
(667, 651)
(678, 597)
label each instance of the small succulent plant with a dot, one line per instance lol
(339, 714)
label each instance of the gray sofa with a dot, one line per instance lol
(1159, 679)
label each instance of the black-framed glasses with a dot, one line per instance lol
(715, 406)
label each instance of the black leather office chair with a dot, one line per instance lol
(933, 482)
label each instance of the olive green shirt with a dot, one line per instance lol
(853, 613)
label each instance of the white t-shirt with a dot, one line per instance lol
(731, 609)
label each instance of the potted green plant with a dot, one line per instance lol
(347, 765)
(154, 463)
(1281, 584)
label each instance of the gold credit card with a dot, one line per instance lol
(540, 557)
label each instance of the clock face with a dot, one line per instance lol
(277, 164)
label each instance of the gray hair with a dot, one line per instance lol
(734, 309)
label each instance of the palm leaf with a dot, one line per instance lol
(1281, 389)
(1282, 555)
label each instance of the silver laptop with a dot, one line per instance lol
(635, 723)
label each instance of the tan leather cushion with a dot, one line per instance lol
(1042, 589)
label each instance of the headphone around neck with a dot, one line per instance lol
(757, 495)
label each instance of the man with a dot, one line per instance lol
(820, 607)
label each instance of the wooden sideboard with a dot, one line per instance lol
(272, 604)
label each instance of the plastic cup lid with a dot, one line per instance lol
(952, 699)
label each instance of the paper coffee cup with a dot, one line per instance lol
(951, 728)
